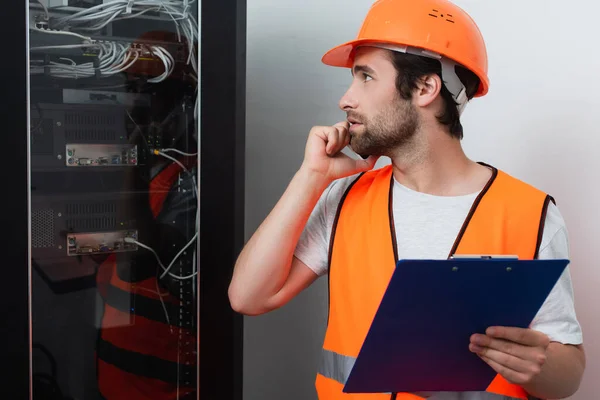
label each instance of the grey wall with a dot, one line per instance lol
(288, 91)
(537, 123)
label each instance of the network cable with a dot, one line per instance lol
(97, 17)
(115, 58)
(167, 269)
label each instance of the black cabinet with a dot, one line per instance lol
(123, 202)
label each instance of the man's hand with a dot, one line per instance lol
(323, 153)
(516, 354)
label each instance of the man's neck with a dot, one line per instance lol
(438, 167)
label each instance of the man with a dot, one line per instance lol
(414, 65)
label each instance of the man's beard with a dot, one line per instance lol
(391, 129)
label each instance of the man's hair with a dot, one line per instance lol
(412, 68)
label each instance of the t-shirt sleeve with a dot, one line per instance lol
(313, 246)
(557, 317)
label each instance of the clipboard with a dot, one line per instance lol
(419, 338)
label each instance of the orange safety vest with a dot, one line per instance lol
(139, 354)
(506, 218)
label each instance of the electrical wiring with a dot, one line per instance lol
(86, 39)
(45, 9)
(90, 51)
(167, 269)
(97, 17)
(113, 58)
(65, 46)
(178, 151)
(116, 57)
(161, 153)
(162, 302)
(167, 60)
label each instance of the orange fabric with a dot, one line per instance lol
(120, 385)
(435, 25)
(503, 387)
(146, 288)
(147, 337)
(161, 184)
(144, 336)
(348, 268)
(329, 389)
(510, 227)
(137, 334)
(506, 220)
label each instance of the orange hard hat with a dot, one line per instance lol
(430, 28)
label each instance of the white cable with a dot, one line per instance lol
(163, 305)
(114, 58)
(161, 55)
(157, 152)
(102, 25)
(175, 259)
(114, 5)
(103, 14)
(65, 46)
(64, 33)
(178, 151)
(131, 240)
(168, 60)
(45, 9)
(167, 269)
(161, 153)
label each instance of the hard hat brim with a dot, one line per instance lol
(342, 56)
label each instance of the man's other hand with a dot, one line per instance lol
(515, 353)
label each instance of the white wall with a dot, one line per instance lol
(539, 122)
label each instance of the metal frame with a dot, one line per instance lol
(223, 55)
(15, 218)
(223, 83)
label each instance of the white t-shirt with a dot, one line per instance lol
(426, 228)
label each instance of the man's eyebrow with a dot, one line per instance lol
(362, 68)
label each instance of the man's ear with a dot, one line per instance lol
(428, 89)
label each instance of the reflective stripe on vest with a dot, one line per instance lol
(506, 218)
(337, 367)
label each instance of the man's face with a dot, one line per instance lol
(381, 121)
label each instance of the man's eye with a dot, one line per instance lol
(366, 77)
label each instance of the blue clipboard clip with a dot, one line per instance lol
(419, 338)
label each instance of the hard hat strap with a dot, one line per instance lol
(451, 80)
(454, 84)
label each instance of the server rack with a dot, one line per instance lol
(77, 174)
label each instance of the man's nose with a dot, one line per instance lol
(348, 101)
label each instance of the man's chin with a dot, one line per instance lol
(360, 145)
(364, 153)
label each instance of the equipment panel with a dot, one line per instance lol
(113, 107)
(100, 155)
